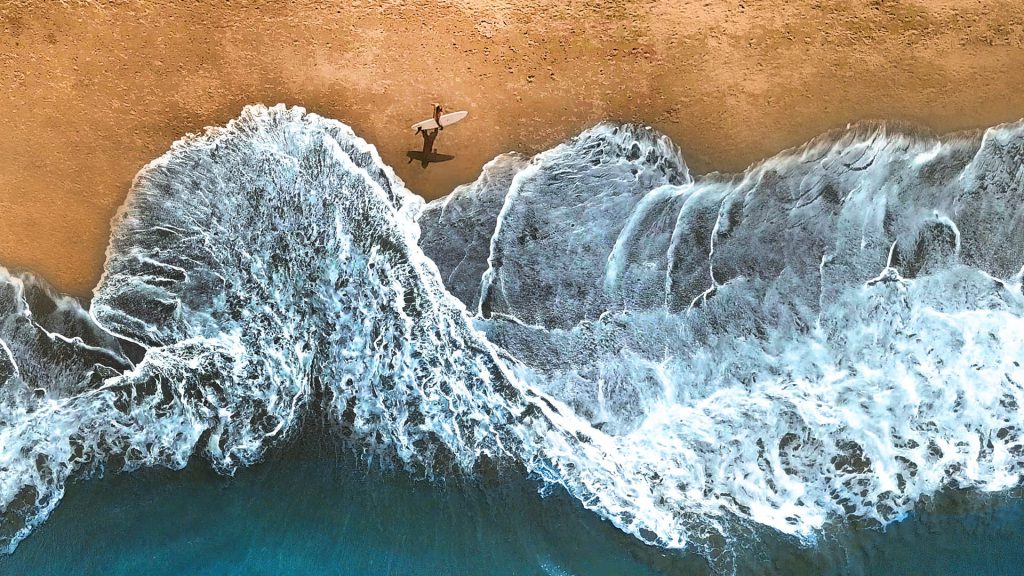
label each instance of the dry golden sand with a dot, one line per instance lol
(91, 91)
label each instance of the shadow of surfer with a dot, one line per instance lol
(427, 155)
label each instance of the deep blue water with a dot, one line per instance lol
(310, 512)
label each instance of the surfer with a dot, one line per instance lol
(438, 111)
(429, 129)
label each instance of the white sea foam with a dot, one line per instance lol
(834, 333)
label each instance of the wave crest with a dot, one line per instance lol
(835, 332)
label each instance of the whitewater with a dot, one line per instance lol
(832, 336)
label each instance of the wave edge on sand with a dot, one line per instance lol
(832, 334)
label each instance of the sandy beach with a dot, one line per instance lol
(90, 91)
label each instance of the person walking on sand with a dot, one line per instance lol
(429, 129)
(438, 111)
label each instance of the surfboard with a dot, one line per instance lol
(446, 120)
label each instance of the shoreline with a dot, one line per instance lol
(826, 138)
(89, 94)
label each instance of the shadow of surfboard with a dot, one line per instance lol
(427, 158)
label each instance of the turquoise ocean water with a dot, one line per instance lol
(315, 511)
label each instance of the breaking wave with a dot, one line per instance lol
(833, 335)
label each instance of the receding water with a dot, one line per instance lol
(312, 511)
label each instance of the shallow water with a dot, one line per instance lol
(315, 512)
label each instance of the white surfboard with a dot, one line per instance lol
(446, 120)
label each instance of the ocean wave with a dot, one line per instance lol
(833, 334)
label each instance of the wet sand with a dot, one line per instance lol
(90, 92)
